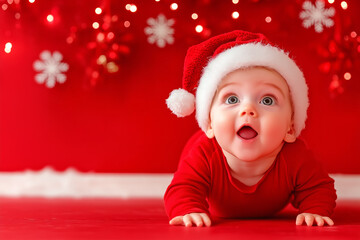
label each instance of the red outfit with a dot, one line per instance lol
(203, 183)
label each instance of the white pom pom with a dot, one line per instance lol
(181, 102)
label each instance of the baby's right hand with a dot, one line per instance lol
(198, 219)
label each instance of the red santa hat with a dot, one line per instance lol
(207, 63)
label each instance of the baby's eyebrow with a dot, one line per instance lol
(277, 87)
(224, 86)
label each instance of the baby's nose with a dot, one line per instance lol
(249, 110)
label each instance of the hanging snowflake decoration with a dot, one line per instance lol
(317, 15)
(160, 31)
(51, 69)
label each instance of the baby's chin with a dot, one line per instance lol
(256, 153)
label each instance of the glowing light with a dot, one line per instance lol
(114, 18)
(112, 67)
(100, 37)
(95, 25)
(268, 19)
(95, 74)
(235, 15)
(353, 34)
(101, 60)
(126, 24)
(235, 1)
(112, 55)
(157, 0)
(331, 1)
(344, 5)
(174, 6)
(131, 7)
(199, 28)
(10, 1)
(69, 40)
(17, 16)
(4, 6)
(31, 1)
(194, 16)
(8, 47)
(98, 11)
(347, 76)
(115, 47)
(50, 18)
(110, 36)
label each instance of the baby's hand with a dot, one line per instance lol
(309, 219)
(198, 219)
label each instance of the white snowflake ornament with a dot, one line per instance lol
(317, 15)
(51, 69)
(160, 31)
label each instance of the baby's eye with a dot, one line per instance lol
(232, 100)
(268, 101)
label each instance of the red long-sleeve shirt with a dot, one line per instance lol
(203, 183)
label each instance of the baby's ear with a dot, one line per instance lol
(210, 132)
(290, 135)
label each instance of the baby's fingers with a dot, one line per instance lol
(188, 220)
(329, 221)
(319, 221)
(198, 219)
(300, 219)
(206, 219)
(310, 219)
(304, 217)
(177, 221)
(193, 218)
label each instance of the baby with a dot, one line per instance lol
(251, 103)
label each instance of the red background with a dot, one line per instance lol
(121, 124)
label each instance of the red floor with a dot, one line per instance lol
(145, 219)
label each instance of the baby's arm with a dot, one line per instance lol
(309, 219)
(188, 220)
(188, 191)
(314, 193)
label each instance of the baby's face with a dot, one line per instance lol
(251, 114)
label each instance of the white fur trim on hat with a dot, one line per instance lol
(247, 55)
(181, 102)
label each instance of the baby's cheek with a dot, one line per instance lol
(219, 118)
(223, 125)
(275, 126)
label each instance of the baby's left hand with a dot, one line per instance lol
(309, 219)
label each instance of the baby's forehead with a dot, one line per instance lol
(257, 75)
(249, 69)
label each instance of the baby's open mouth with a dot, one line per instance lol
(247, 132)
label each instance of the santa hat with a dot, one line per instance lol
(207, 63)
